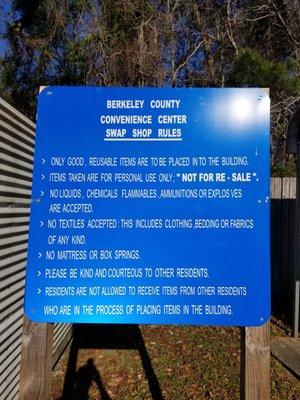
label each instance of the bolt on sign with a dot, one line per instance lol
(150, 206)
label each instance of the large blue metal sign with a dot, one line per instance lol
(150, 206)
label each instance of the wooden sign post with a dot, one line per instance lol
(36, 358)
(36, 361)
(255, 363)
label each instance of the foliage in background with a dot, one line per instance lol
(252, 69)
(174, 43)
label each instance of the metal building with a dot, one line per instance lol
(17, 137)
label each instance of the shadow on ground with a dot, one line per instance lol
(123, 337)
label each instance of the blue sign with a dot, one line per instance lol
(150, 206)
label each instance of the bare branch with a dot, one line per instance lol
(185, 61)
(283, 23)
(229, 29)
(260, 18)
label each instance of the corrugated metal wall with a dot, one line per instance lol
(16, 163)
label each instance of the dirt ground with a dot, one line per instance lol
(131, 362)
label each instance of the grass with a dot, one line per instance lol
(160, 362)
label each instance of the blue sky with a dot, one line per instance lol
(5, 7)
